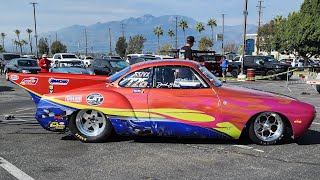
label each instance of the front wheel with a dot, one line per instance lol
(90, 126)
(267, 129)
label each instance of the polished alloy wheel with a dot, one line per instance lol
(268, 126)
(91, 122)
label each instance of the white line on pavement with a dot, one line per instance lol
(316, 123)
(25, 109)
(243, 146)
(14, 170)
(258, 150)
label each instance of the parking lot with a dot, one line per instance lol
(27, 151)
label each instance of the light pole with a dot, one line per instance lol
(245, 13)
(35, 26)
(222, 34)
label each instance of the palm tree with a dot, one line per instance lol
(17, 31)
(278, 19)
(184, 25)
(200, 27)
(23, 42)
(3, 35)
(158, 32)
(171, 34)
(29, 31)
(212, 23)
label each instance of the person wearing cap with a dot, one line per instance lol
(186, 51)
(44, 63)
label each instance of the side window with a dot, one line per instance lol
(177, 77)
(248, 59)
(104, 64)
(97, 63)
(137, 79)
(257, 60)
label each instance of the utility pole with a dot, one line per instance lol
(259, 25)
(222, 34)
(245, 14)
(56, 36)
(86, 40)
(35, 26)
(176, 32)
(122, 29)
(110, 50)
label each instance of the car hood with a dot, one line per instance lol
(71, 70)
(241, 92)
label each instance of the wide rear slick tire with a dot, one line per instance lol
(90, 126)
(267, 128)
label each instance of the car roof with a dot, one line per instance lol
(169, 62)
(103, 59)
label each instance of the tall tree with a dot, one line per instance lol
(171, 34)
(58, 47)
(184, 25)
(29, 31)
(301, 32)
(3, 35)
(205, 44)
(212, 23)
(121, 46)
(43, 46)
(136, 44)
(200, 27)
(23, 43)
(158, 32)
(17, 31)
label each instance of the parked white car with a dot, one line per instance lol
(63, 56)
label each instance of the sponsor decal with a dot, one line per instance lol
(138, 91)
(29, 81)
(14, 77)
(297, 121)
(95, 99)
(76, 98)
(80, 137)
(51, 89)
(54, 81)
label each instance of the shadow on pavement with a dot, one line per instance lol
(5, 89)
(309, 138)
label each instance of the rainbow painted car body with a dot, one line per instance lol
(165, 98)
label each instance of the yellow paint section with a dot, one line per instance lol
(229, 129)
(172, 110)
(194, 117)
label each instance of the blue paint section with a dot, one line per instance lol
(163, 128)
(35, 98)
(49, 112)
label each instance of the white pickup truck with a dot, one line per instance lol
(62, 56)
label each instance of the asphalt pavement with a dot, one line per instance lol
(27, 151)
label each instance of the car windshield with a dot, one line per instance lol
(64, 64)
(119, 64)
(209, 75)
(117, 75)
(10, 56)
(69, 56)
(27, 63)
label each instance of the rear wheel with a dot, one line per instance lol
(6, 75)
(235, 73)
(270, 73)
(90, 126)
(267, 129)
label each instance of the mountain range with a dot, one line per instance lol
(98, 41)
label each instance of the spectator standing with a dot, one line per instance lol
(44, 63)
(224, 65)
(1, 67)
(186, 51)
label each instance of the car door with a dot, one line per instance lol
(135, 87)
(180, 102)
(259, 68)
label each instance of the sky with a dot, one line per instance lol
(53, 15)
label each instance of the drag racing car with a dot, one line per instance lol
(176, 98)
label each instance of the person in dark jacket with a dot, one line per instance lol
(1, 67)
(186, 51)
